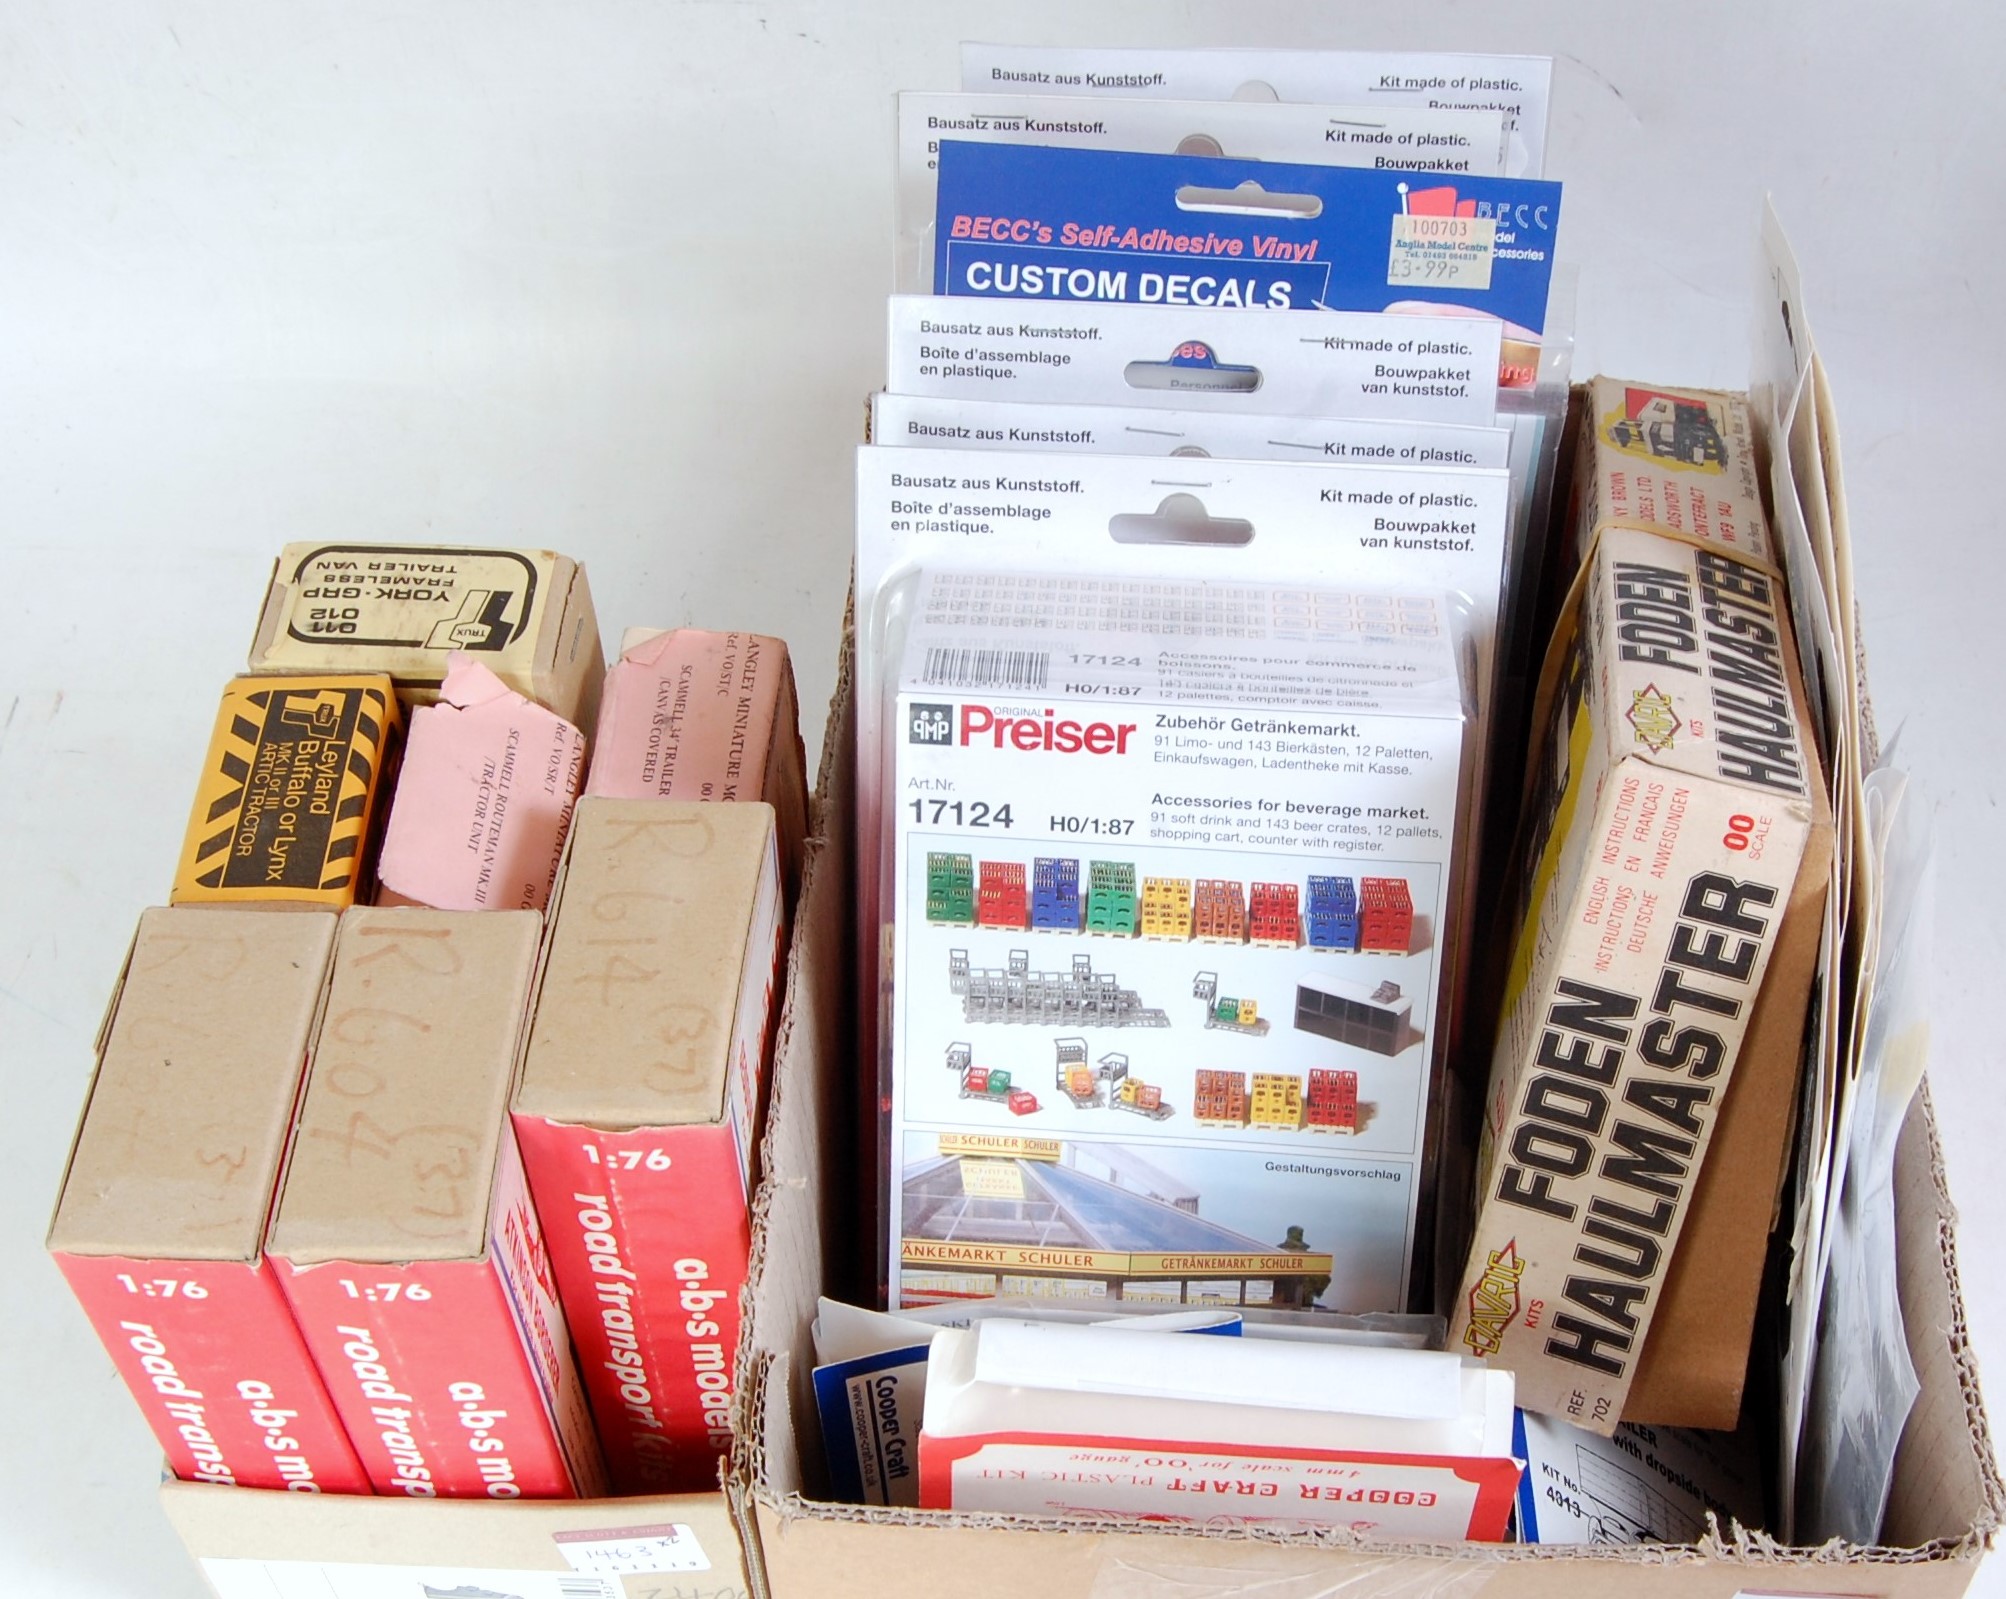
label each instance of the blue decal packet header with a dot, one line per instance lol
(1031, 222)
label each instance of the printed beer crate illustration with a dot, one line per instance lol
(1078, 1081)
(1332, 914)
(1277, 1102)
(1055, 895)
(1111, 900)
(1220, 913)
(1220, 1099)
(1000, 900)
(1140, 1098)
(1273, 918)
(986, 1083)
(1166, 908)
(1332, 1106)
(950, 889)
(1386, 916)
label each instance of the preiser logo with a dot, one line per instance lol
(1494, 1301)
(1061, 735)
(929, 724)
(1654, 717)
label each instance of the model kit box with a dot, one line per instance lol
(403, 609)
(483, 799)
(292, 794)
(161, 1221)
(640, 1098)
(1677, 852)
(693, 715)
(1120, 1033)
(1675, 461)
(404, 1235)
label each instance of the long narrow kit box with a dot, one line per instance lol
(691, 715)
(161, 1222)
(404, 1236)
(293, 788)
(403, 609)
(1677, 860)
(1171, 870)
(637, 1113)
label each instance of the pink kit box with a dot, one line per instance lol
(690, 715)
(484, 799)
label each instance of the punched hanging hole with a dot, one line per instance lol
(1254, 89)
(1179, 519)
(1248, 199)
(1199, 144)
(1192, 366)
(1198, 450)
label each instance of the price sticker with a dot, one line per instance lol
(667, 1546)
(1442, 252)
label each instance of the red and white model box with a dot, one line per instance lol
(637, 1114)
(161, 1221)
(404, 1235)
(1046, 1419)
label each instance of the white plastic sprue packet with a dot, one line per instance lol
(904, 421)
(1520, 87)
(1350, 364)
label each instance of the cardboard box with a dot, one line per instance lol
(1678, 846)
(160, 1226)
(255, 1545)
(1944, 1509)
(1675, 461)
(293, 792)
(483, 799)
(691, 715)
(690, 1540)
(641, 1090)
(404, 1236)
(1638, 466)
(403, 609)
(1946, 1500)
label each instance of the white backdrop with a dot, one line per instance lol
(608, 275)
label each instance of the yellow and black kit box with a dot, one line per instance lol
(292, 792)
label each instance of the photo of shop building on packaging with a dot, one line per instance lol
(1012, 1216)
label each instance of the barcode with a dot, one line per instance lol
(987, 668)
(585, 1588)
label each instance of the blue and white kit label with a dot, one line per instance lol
(1040, 223)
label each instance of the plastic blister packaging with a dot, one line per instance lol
(1125, 700)
(1439, 138)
